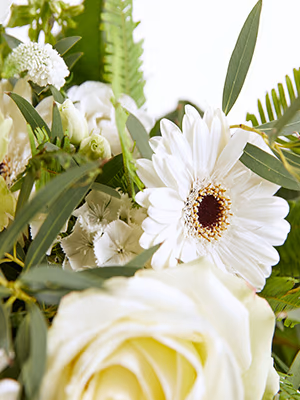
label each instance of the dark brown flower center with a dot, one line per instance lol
(209, 211)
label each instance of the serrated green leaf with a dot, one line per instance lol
(57, 128)
(65, 44)
(11, 40)
(46, 196)
(30, 114)
(140, 136)
(241, 59)
(291, 116)
(34, 367)
(54, 278)
(289, 264)
(106, 189)
(140, 260)
(59, 213)
(5, 330)
(283, 295)
(268, 167)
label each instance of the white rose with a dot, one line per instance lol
(4, 10)
(192, 332)
(93, 99)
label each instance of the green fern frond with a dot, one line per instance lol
(122, 60)
(276, 101)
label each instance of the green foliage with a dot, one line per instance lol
(283, 295)
(140, 136)
(268, 167)
(113, 173)
(241, 59)
(287, 390)
(122, 60)
(276, 102)
(289, 264)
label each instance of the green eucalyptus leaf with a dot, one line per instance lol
(57, 95)
(22, 342)
(140, 260)
(34, 367)
(57, 128)
(45, 197)
(65, 44)
(268, 167)
(72, 59)
(241, 59)
(110, 272)
(54, 278)
(11, 41)
(26, 189)
(106, 189)
(5, 329)
(140, 136)
(58, 215)
(30, 114)
(112, 172)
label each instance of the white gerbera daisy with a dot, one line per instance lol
(202, 201)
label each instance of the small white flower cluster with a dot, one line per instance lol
(42, 64)
(107, 232)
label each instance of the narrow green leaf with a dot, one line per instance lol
(58, 215)
(26, 189)
(241, 58)
(269, 108)
(33, 369)
(11, 41)
(282, 97)
(5, 330)
(65, 44)
(112, 172)
(261, 112)
(53, 278)
(140, 136)
(288, 129)
(57, 95)
(110, 272)
(294, 371)
(287, 391)
(46, 196)
(22, 342)
(290, 88)
(30, 114)
(291, 116)
(57, 128)
(140, 260)
(106, 189)
(268, 167)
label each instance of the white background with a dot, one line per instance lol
(188, 44)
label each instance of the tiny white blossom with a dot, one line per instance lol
(118, 245)
(42, 64)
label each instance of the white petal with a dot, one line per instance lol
(166, 199)
(147, 174)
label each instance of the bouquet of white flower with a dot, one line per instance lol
(139, 260)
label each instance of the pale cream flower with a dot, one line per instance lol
(73, 121)
(202, 201)
(188, 333)
(93, 99)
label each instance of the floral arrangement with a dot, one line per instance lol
(140, 259)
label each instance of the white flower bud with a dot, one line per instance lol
(73, 121)
(95, 146)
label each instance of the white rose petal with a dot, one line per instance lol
(188, 333)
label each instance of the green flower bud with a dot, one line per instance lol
(95, 147)
(73, 121)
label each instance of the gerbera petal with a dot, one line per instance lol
(164, 216)
(166, 199)
(231, 154)
(201, 149)
(142, 197)
(276, 232)
(147, 173)
(264, 209)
